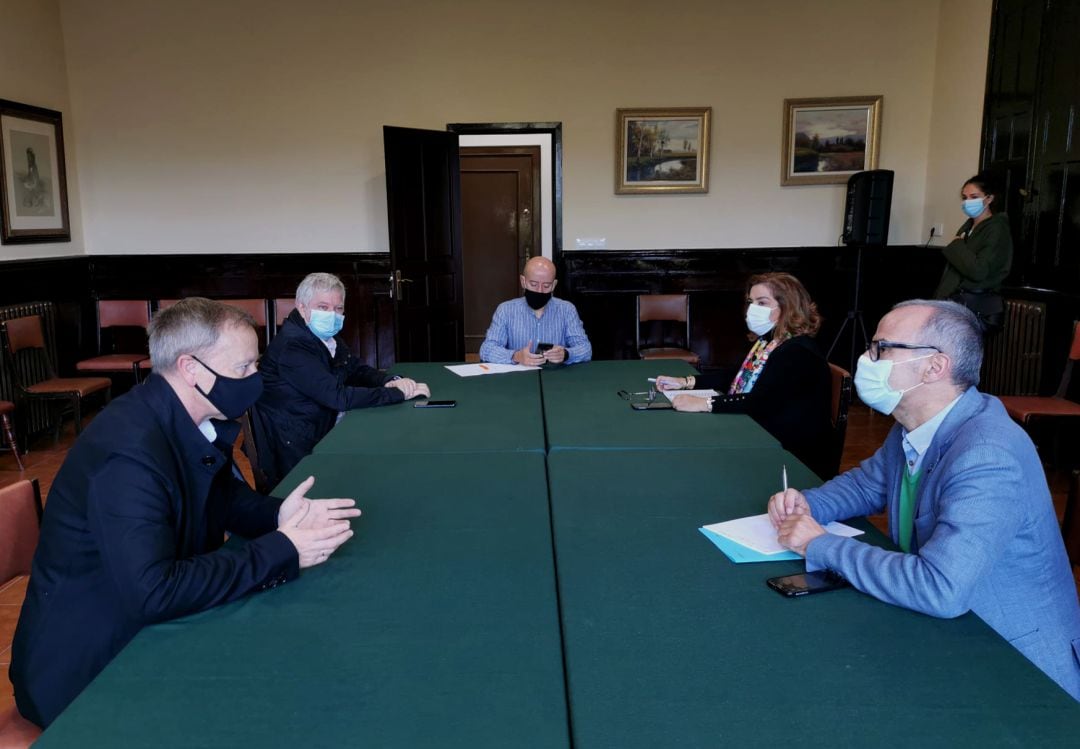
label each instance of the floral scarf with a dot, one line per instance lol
(754, 363)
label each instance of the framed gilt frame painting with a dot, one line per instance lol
(33, 176)
(828, 140)
(662, 150)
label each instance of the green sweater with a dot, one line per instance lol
(982, 260)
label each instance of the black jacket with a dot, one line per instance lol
(304, 390)
(791, 399)
(132, 535)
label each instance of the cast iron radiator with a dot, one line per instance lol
(1013, 362)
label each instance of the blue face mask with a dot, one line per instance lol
(974, 207)
(325, 324)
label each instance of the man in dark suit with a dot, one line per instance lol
(135, 521)
(312, 379)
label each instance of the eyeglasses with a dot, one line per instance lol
(876, 347)
(627, 396)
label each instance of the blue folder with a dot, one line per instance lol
(740, 554)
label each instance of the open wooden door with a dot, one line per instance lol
(423, 199)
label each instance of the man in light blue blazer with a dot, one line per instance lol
(966, 495)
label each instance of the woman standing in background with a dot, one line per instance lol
(979, 259)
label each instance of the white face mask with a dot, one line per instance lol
(757, 319)
(872, 383)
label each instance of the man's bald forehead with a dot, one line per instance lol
(912, 317)
(539, 264)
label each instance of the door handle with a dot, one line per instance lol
(395, 284)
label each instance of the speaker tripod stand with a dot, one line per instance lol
(854, 319)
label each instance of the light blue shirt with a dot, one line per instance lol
(917, 441)
(515, 324)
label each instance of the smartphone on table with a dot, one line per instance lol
(434, 404)
(806, 583)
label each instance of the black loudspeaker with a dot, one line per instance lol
(866, 214)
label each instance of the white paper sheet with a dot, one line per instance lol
(756, 532)
(475, 370)
(696, 393)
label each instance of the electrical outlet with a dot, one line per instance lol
(591, 243)
(937, 230)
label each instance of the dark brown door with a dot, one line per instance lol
(500, 219)
(423, 201)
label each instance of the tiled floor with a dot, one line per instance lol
(866, 431)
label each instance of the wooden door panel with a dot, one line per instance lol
(500, 229)
(423, 211)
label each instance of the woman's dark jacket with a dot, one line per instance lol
(792, 400)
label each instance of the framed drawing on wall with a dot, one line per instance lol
(828, 140)
(33, 190)
(662, 150)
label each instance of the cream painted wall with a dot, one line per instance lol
(32, 71)
(956, 124)
(255, 125)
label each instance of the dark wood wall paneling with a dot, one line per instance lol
(603, 284)
(75, 284)
(1031, 136)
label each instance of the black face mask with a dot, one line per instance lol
(537, 299)
(232, 395)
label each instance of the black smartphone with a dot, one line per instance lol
(434, 404)
(657, 404)
(542, 347)
(807, 583)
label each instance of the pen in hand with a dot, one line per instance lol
(783, 477)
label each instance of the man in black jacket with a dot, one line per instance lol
(135, 521)
(312, 378)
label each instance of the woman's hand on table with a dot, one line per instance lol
(666, 382)
(690, 404)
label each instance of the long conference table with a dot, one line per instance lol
(528, 572)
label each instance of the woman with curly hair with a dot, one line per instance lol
(784, 382)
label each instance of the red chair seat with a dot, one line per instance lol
(669, 353)
(111, 363)
(81, 385)
(16, 731)
(6, 407)
(1023, 407)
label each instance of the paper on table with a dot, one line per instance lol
(757, 534)
(695, 393)
(474, 370)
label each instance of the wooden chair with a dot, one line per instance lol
(665, 308)
(34, 372)
(116, 313)
(1028, 408)
(1070, 525)
(282, 309)
(20, 525)
(251, 452)
(841, 400)
(7, 408)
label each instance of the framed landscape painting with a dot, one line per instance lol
(828, 140)
(662, 150)
(33, 179)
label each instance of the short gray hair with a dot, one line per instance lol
(191, 326)
(315, 282)
(955, 330)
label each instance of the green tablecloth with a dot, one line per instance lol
(670, 644)
(493, 412)
(435, 626)
(582, 410)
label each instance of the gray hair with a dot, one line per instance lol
(191, 326)
(315, 282)
(955, 330)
